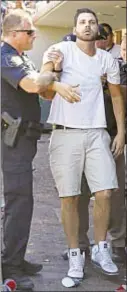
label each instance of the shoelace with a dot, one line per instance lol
(76, 263)
(106, 256)
(82, 258)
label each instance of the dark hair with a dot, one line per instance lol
(108, 26)
(83, 10)
(102, 33)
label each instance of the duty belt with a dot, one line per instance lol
(14, 128)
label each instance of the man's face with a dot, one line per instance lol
(23, 38)
(101, 44)
(123, 51)
(86, 28)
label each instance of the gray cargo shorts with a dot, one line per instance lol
(74, 151)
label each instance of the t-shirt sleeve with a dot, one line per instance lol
(113, 72)
(62, 46)
(13, 69)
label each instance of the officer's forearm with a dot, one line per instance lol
(36, 82)
(43, 80)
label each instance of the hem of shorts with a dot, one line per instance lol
(104, 189)
(70, 195)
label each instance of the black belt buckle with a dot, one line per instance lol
(59, 127)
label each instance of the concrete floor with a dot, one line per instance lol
(47, 240)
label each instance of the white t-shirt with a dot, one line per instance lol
(115, 51)
(79, 68)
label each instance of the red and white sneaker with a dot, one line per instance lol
(122, 288)
(9, 285)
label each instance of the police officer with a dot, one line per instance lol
(20, 87)
(111, 47)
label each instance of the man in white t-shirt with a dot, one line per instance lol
(80, 142)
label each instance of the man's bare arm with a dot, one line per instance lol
(47, 67)
(68, 92)
(119, 112)
(124, 93)
(47, 94)
(55, 62)
(118, 106)
(38, 83)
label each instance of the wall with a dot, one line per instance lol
(45, 37)
(124, 30)
(118, 34)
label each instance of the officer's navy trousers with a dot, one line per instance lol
(18, 195)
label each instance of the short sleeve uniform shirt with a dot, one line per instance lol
(14, 100)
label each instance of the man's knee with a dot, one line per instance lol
(69, 202)
(103, 195)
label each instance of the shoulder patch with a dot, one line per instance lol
(13, 60)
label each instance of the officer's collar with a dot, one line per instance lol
(10, 47)
(109, 49)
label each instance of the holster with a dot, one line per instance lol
(14, 128)
(10, 128)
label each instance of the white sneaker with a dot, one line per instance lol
(76, 263)
(102, 258)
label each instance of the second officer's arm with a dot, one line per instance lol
(37, 82)
(18, 75)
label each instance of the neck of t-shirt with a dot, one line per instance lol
(87, 47)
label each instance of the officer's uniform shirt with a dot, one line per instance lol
(115, 51)
(111, 121)
(123, 79)
(14, 100)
